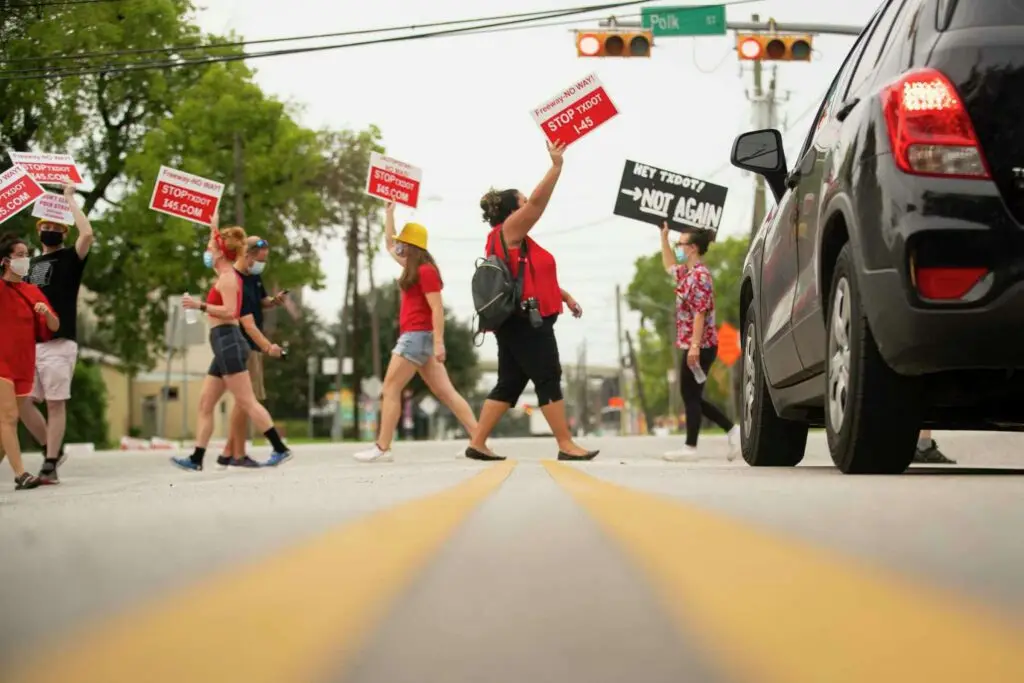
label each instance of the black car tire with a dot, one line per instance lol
(882, 415)
(768, 440)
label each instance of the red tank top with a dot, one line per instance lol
(540, 280)
(214, 298)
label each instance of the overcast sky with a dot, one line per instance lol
(460, 108)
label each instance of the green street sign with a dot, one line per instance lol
(708, 20)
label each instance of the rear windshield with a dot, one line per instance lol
(982, 13)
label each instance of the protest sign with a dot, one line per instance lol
(656, 196)
(393, 180)
(53, 207)
(575, 112)
(48, 169)
(187, 196)
(17, 190)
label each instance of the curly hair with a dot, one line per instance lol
(233, 241)
(498, 205)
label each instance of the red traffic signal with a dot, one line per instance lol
(614, 43)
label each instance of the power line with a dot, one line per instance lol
(543, 14)
(320, 48)
(31, 5)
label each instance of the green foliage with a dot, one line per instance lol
(87, 411)
(286, 378)
(651, 293)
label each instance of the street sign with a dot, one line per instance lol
(311, 365)
(428, 406)
(575, 112)
(393, 180)
(653, 195)
(48, 169)
(371, 386)
(53, 207)
(729, 349)
(17, 190)
(329, 367)
(187, 196)
(708, 20)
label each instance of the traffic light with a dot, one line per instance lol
(772, 47)
(614, 43)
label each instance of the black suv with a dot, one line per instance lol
(884, 293)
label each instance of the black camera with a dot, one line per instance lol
(530, 306)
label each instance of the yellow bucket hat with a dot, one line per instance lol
(414, 234)
(46, 221)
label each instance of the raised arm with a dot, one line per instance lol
(389, 233)
(85, 234)
(668, 257)
(519, 224)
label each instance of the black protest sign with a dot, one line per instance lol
(654, 195)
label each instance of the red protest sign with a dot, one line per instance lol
(48, 169)
(17, 190)
(187, 196)
(393, 180)
(576, 111)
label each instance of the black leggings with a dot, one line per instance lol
(693, 397)
(527, 354)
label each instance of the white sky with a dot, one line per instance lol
(460, 108)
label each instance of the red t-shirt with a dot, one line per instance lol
(541, 278)
(415, 314)
(21, 325)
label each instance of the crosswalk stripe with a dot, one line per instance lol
(773, 610)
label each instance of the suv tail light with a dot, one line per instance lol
(929, 129)
(947, 284)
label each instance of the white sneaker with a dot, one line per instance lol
(684, 453)
(734, 442)
(374, 454)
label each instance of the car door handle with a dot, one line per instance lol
(846, 108)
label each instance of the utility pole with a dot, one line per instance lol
(371, 251)
(623, 417)
(356, 319)
(337, 425)
(648, 417)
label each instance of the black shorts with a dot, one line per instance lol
(230, 351)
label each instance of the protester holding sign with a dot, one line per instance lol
(27, 316)
(420, 346)
(58, 273)
(527, 348)
(229, 369)
(696, 333)
(250, 265)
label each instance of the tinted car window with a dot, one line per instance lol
(981, 13)
(873, 48)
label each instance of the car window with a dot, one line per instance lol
(895, 56)
(982, 13)
(942, 9)
(873, 47)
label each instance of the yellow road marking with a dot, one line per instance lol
(291, 618)
(777, 611)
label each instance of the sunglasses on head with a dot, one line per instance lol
(259, 244)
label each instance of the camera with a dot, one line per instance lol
(532, 310)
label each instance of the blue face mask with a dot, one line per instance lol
(680, 254)
(257, 267)
(208, 259)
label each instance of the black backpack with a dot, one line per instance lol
(496, 293)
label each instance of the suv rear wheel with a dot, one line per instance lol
(872, 415)
(768, 440)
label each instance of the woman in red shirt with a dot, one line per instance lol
(420, 346)
(229, 370)
(27, 316)
(696, 334)
(527, 348)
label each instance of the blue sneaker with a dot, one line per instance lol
(245, 463)
(186, 464)
(278, 458)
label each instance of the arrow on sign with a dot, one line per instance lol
(635, 193)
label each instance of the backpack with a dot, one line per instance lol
(496, 293)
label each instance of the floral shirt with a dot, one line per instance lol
(694, 294)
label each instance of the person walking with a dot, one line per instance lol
(57, 272)
(420, 347)
(927, 451)
(229, 369)
(696, 334)
(28, 318)
(250, 266)
(527, 347)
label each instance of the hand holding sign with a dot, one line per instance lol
(556, 150)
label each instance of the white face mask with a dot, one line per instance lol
(19, 266)
(257, 267)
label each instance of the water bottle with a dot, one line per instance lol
(698, 374)
(191, 314)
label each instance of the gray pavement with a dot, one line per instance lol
(528, 588)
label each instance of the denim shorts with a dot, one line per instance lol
(415, 347)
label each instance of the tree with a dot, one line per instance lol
(287, 378)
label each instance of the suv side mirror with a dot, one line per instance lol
(761, 152)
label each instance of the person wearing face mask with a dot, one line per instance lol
(229, 370)
(27, 317)
(58, 273)
(250, 267)
(696, 334)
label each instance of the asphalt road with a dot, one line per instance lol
(434, 568)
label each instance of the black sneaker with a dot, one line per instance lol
(224, 461)
(932, 456)
(245, 463)
(48, 473)
(26, 481)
